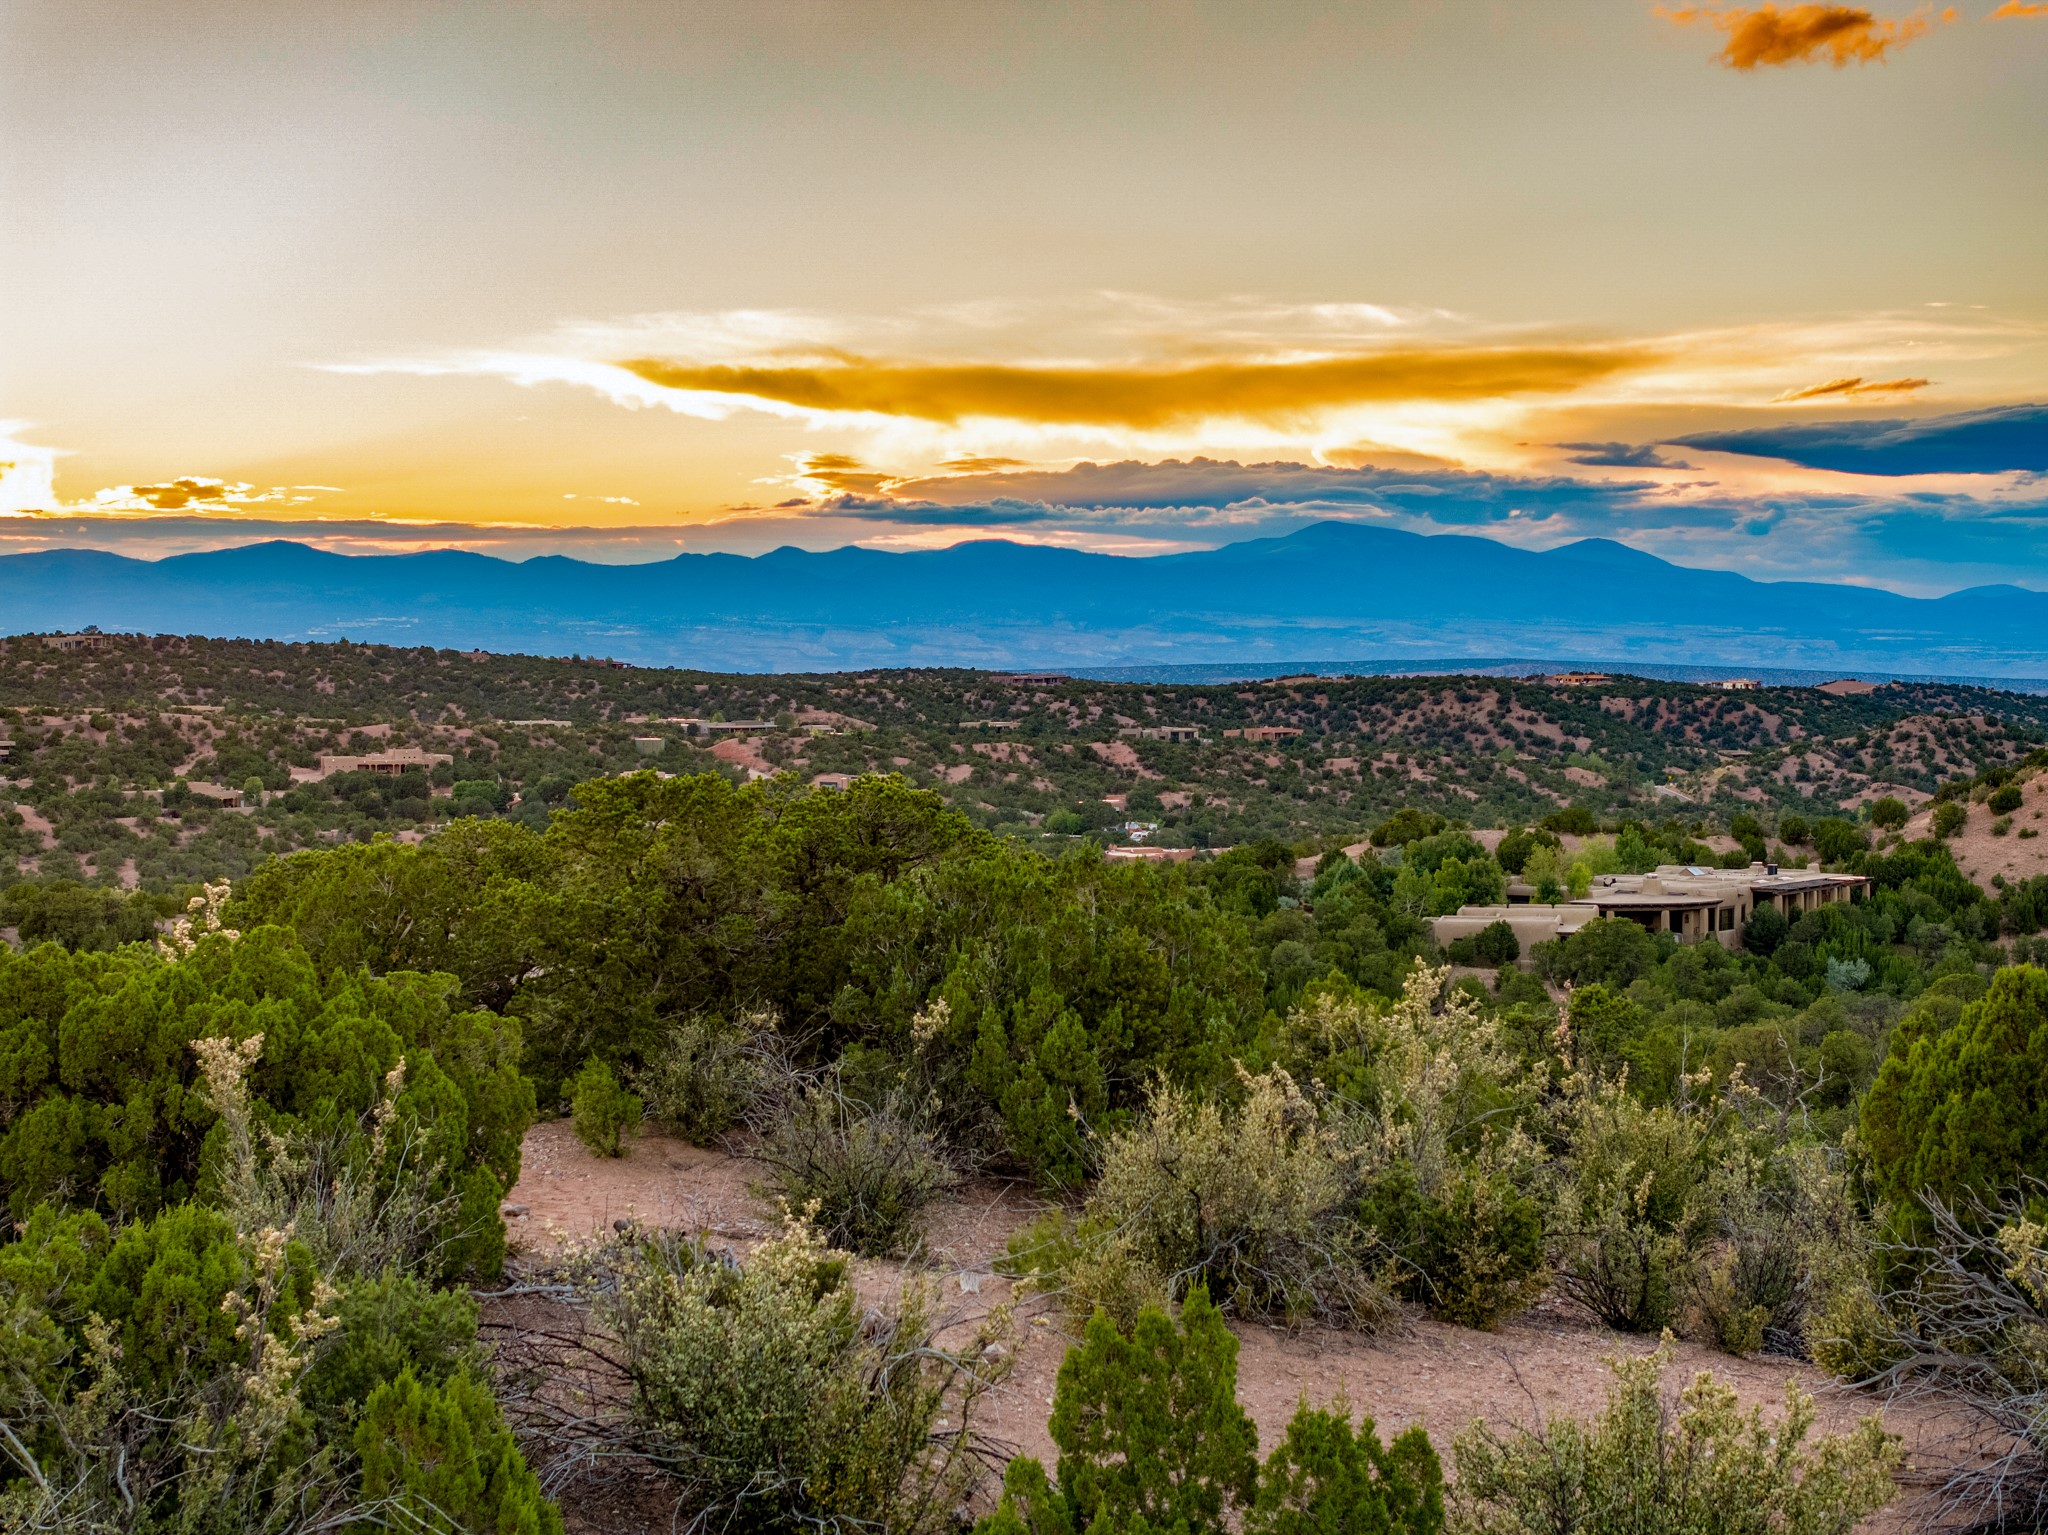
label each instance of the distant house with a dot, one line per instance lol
(1266, 732)
(1147, 854)
(92, 639)
(1691, 903)
(390, 764)
(692, 726)
(990, 724)
(1577, 679)
(219, 795)
(837, 781)
(650, 746)
(1034, 679)
(1737, 684)
(529, 724)
(1180, 733)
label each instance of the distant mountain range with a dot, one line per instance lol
(1339, 591)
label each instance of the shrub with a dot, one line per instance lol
(1612, 950)
(1151, 1438)
(1493, 945)
(1573, 820)
(1437, 1093)
(1473, 1254)
(75, 915)
(605, 1114)
(183, 1374)
(708, 1075)
(1890, 812)
(2006, 799)
(762, 1389)
(864, 1173)
(1630, 1205)
(1404, 826)
(1706, 1470)
(1956, 1315)
(1782, 1234)
(1514, 850)
(439, 1459)
(1765, 929)
(1959, 1110)
(1949, 818)
(1249, 1203)
(1837, 841)
(1794, 831)
(102, 1105)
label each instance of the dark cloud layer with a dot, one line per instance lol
(2011, 437)
(1621, 455)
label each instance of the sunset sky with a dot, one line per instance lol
(1762, 288)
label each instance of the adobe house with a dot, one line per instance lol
(1689, 902)
(389, 764)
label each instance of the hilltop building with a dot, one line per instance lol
(1181, 733)
(390, 764)
(1685, 900)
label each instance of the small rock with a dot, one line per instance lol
(512, 1209)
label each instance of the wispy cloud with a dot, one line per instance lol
(2015, 9)
(1770, 35)
(1274, 393)
(1851, 387)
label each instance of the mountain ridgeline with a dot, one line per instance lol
(1336, 590)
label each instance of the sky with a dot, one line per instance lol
(1755, 287)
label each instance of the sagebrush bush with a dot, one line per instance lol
(604, 1113)
(866, 1173)
(1251, 1203)
(1448, 1182)
(709, 1074)
(775, 1402)
(1631, 1205)
(1151, 1437)
(1473, 1253)
(1707, 1469)
(1781, 1233)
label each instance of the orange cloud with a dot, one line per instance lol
(1852, 386)
(982, 465)
(1803, 34)
(1148, 398)
(838, 471)
(2013, 9)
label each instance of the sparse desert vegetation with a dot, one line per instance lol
(634, 1143)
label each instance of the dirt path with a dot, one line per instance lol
(1547, 1361)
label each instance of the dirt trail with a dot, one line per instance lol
(1547, 1361)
